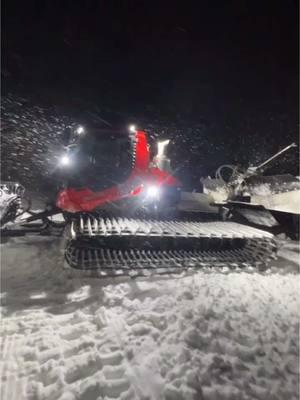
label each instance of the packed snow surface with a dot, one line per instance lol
(207, 335)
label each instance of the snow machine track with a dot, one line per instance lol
(123, 246)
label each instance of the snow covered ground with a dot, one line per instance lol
(207, 335)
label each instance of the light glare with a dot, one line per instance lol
(80, 130)
(132, 128)
(65, 160)
(152, 191)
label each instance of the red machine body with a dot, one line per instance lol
(142, 175)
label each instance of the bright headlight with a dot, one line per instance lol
(153, 192)
(80, 130)
(65, 160)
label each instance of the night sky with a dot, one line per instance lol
(223, 72)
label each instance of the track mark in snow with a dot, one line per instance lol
(111, 358)
(82, 366)
(64, 355)
(74, 333)
(113, 372)
(13, 381)
(118, 326)
(80, 346)
(208, 335)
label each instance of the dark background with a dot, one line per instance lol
(220, 78)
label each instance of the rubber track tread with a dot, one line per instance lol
(137, 247)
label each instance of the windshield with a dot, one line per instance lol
(101, 162)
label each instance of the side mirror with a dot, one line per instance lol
(161, 146)
(66, 136)
(161, 160)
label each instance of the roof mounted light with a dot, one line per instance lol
(132, 128)
(80, 130)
